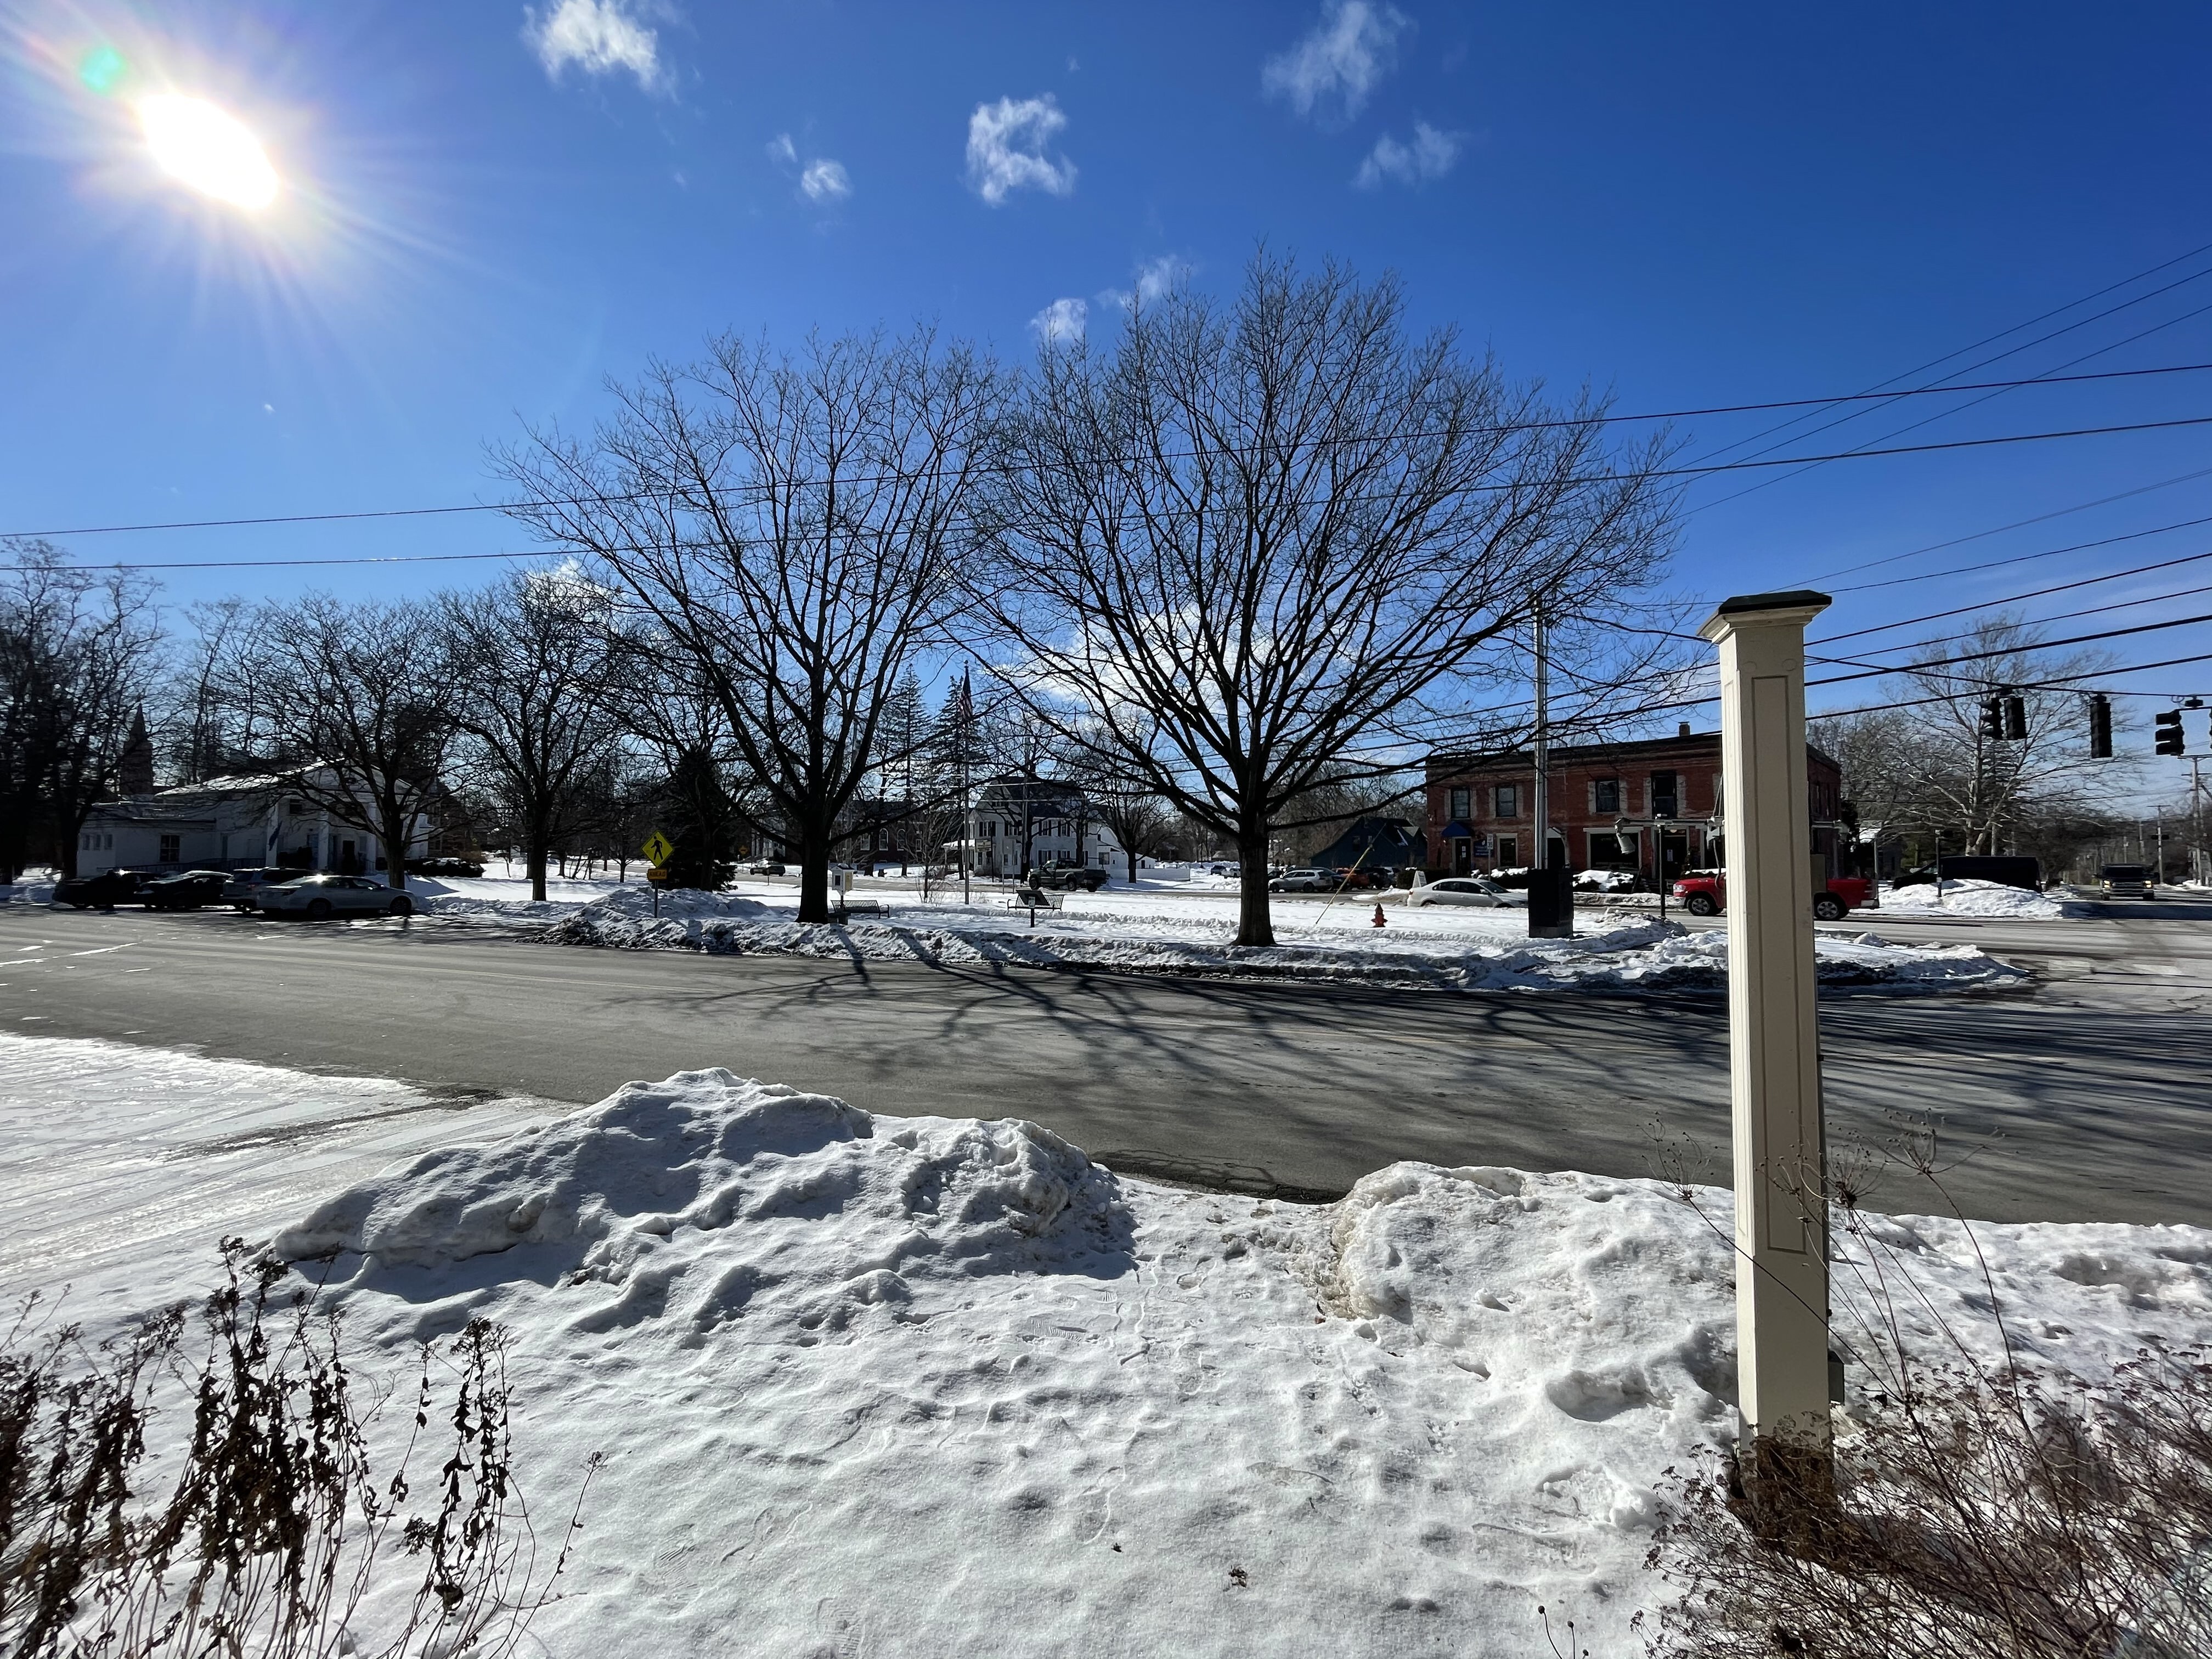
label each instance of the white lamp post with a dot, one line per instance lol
(1774, 1063)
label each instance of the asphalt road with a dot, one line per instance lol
(2085, 1099)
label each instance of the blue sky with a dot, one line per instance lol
(486, 210)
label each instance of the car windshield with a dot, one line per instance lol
(2126, 872)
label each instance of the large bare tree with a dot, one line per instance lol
(77, 653)
(354, 706)
(540, 672)
(792, 525)
(1255, 547)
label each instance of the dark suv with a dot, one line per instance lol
(1068, 877)
(105, 890)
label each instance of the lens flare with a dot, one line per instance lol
(102, 69)
(209, 149)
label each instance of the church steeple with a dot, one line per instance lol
(135, 774)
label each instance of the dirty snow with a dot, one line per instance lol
(872, 1385)
(1461, 950)
(1963, 897)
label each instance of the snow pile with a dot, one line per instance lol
(927, 1386)
(1963, 897)
(34, 890)
(1611, 951)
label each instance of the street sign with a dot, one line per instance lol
(657, 847)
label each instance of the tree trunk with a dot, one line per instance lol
(1132, 851)
(1254, 926)
(813, 874)
(535, 847)
(395, 848)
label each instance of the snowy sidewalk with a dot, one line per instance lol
(879, 1386)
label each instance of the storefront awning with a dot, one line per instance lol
(1457, 831)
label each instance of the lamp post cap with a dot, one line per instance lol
(1799, 599)
(1800, 605)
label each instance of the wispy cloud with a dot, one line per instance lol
(1156, 279)
(1005, 148)
(1063, 321)
(821, 179)
(1332, 70)
(1432, 153)
(598, 37)
(825, 180)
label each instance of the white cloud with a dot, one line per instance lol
(597, 36)
(780, 149)
(1156, 280)
(1061, 321)
(1334, 68)
(825, 180)
(1430, 155)
(1005, 148)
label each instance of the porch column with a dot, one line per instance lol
(1774, 1065)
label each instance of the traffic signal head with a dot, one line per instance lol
(2100, 727)
(2015, 718)
(1993, 718)
(2169, 732)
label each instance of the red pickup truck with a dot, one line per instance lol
(1704, 893)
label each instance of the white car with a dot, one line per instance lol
(1478, 890)
(316, 897)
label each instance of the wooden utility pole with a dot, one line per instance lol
(1774, 1062)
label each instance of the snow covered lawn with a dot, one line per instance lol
(1464, 950)
(882, 1386)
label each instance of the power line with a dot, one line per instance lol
(2008, 651)
(2023, 558)
(2020, 599)
(581, 501)
(2039, 622)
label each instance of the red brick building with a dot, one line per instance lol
(1480, 809)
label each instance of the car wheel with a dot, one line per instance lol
(402, 907)
(1828, 907)
(1701, 904)
(80, 904)
(318, 910)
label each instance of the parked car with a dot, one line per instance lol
(188, 889)
(1067, 876)
(103, 891)
(446, 866)
(318, 897)
(1218, 868)
(244, 887)
(1350, 880)
(1479, 892)
(765, 867)
(2127, 881)
(1706, 894)
(1608, 881)
(1304, 881)
(1962, 866)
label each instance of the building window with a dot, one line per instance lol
(1508, 852)
(1462, 805)
(1508, 800)
(1666, 795)
(1606, 796)
(172, 850)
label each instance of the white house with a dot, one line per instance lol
(240, 822)
(1061, 828)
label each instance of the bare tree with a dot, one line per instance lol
(1258, 547)
(537, 664)
(356, 710)
(793, 525)
(77, 653)
(1931, 768)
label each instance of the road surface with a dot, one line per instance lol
(2086, 1099)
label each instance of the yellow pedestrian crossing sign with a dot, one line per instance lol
(657, 847)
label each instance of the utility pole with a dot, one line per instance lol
(1551, 900)
(1783, 1368)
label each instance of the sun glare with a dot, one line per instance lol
(209, 149)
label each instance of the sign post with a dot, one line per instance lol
(657, 848)
(1774, 1062)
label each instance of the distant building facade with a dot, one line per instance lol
(1375, 843)
(229, 823)
(1019, 822)
(1481, 810)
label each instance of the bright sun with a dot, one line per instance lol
(210, 150)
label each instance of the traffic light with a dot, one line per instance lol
(2169, 732)
(2015, 718)
(1993, 718)
(2100, 727)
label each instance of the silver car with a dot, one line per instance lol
(1466, 890)
(316, 897)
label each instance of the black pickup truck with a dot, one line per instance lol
(1067, 876)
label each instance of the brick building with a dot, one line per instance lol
(1480, 809)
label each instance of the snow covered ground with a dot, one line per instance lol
(882, 1386)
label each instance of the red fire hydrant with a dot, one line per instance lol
(1381, 921)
